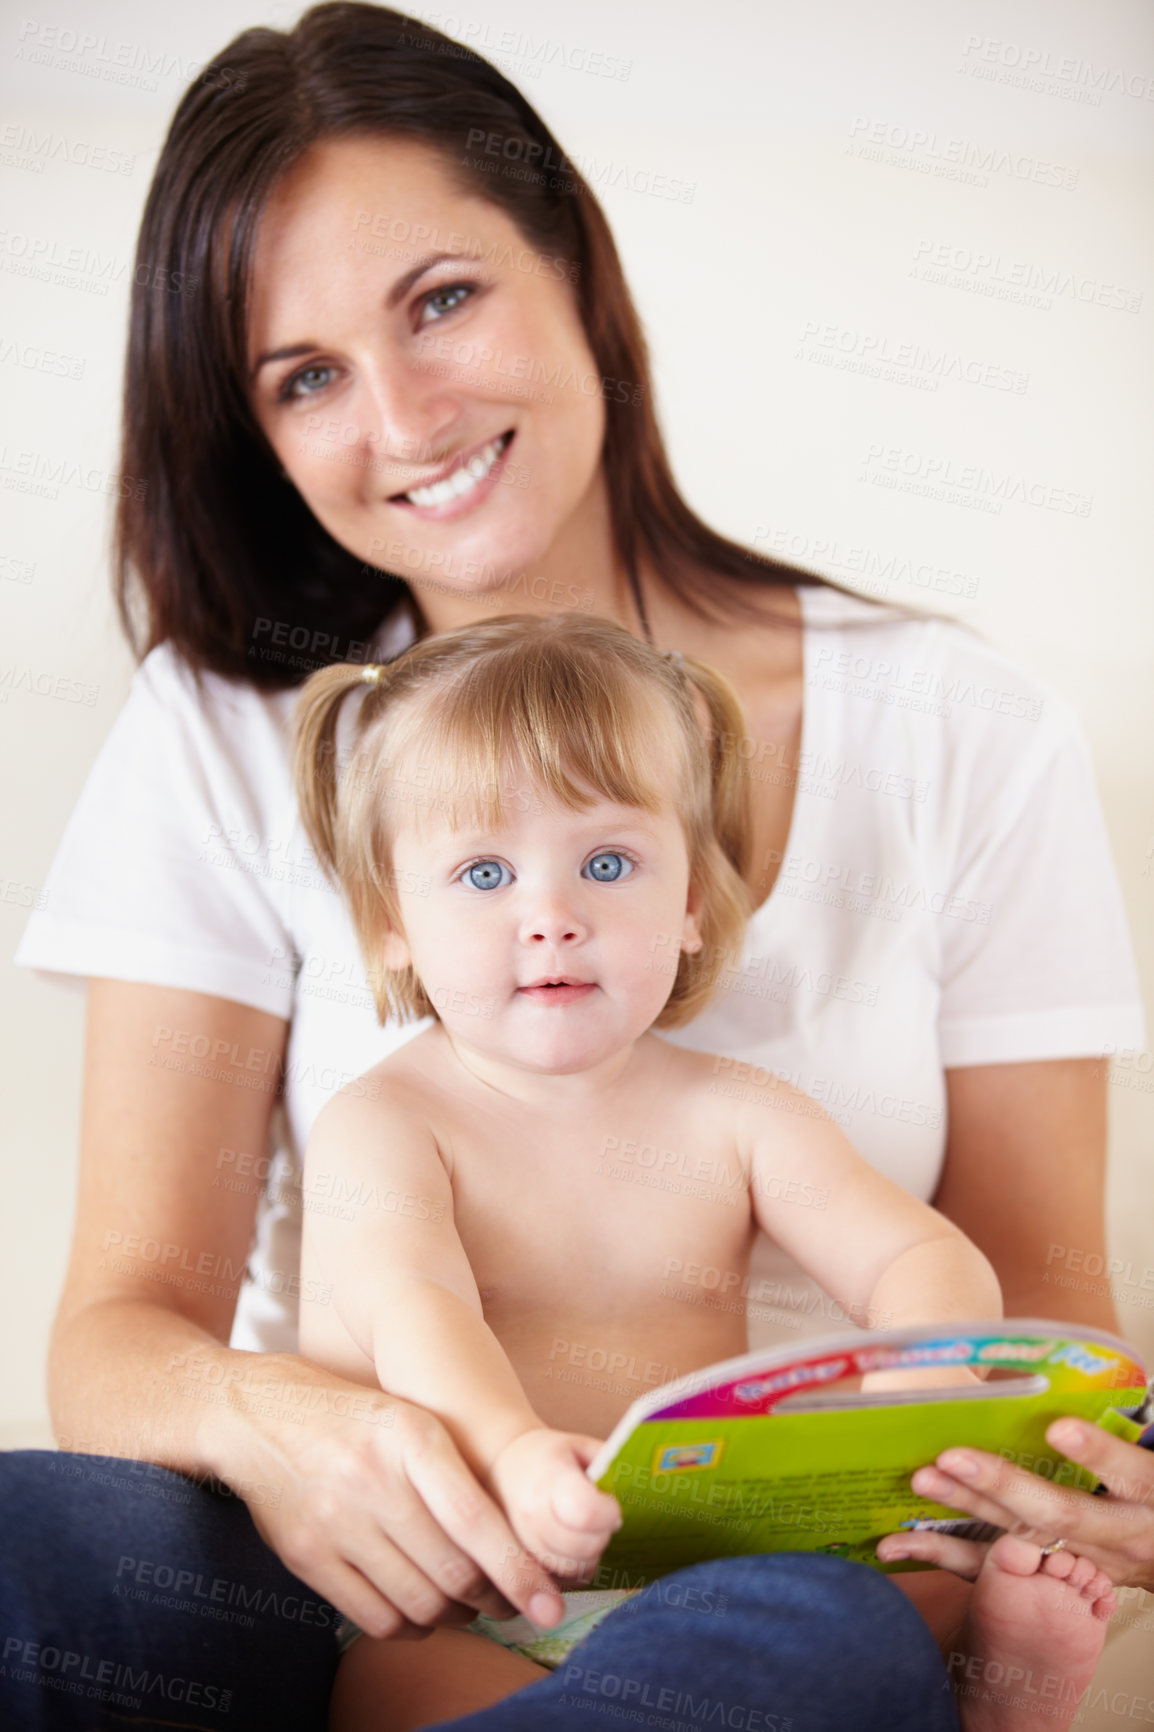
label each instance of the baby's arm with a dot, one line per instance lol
(889, 1259)
(405, 1293)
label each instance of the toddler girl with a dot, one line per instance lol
(541, 829)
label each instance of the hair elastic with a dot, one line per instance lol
(372, 673)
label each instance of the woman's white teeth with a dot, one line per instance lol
(462, 480)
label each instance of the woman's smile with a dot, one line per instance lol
(467, 481)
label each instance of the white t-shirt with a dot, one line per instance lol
(946, 898)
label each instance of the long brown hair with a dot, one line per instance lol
(213, 539)
(575, 703)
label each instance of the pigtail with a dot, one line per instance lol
(723, 845)
(315, 768)
(732, 811)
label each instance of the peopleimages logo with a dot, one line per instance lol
(543, 165)
(1017, 280)
(25, 147)
(99, 1679)
(480, 37)
(989, 56)
(933, 153)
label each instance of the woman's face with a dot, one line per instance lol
(420, 371)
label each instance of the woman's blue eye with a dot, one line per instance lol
(296, 385)
(445, 300)
(486, 875)
(606, 868)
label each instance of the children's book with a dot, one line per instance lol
(782, 1451)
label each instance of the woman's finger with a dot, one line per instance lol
(409, 1585)
(442, 1575)
(1010, 1496)
(359, 1599)
(961, 1557)
(1126, 1470)
(474, 1523)
(1118, 1535)
(931, 1482)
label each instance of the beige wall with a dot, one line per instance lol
(860, 193)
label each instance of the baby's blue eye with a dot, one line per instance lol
(486, 875)
(606, 868)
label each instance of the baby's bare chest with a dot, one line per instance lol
(591, 1218)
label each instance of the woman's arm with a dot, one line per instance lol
(140, 1366)
(151, 1142)
(1024, 1179)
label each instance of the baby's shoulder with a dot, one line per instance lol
(399, 1088)
(672, 1066)
(734, 1097)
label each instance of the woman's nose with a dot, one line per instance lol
(407, 417)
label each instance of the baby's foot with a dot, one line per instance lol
(1032, 1638)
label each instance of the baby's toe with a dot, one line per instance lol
(1017, 1556)
(1066, 1567)
(1063, 1566)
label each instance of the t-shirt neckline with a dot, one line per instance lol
(804, 747)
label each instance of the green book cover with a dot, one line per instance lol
(772, 1452)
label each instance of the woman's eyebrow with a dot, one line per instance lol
(287, 354)
(403, 284)
(395, 295)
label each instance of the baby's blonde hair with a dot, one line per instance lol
(575, 701)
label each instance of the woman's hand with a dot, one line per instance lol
(554, 1507)
(367, 1499)
(1114, 1530)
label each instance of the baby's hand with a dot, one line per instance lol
(554, 1509)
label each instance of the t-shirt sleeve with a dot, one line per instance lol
(167, 869)
(1037, 961)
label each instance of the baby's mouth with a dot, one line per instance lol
(459, 480)
(557, 989)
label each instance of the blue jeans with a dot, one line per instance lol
(131, 1597)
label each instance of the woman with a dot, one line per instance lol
(410, 389)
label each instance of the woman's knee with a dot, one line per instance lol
(800, 1626)
(114, 1569)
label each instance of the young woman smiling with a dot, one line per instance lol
(410, 390)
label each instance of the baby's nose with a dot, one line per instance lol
(553, 920)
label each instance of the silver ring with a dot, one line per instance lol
(1054, 1546)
